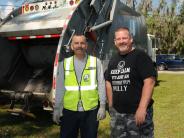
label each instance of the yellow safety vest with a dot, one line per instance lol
(86, 90)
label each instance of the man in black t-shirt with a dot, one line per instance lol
(130, 79)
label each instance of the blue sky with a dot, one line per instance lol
(11, 3)
(7, 5)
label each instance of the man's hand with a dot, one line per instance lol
(101, 112)
(147, 91)
(140, 116)
(112, 111)
(58, 112)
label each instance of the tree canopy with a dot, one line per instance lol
(165, 22)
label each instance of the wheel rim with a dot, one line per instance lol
(161, 67)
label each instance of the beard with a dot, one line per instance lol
(124, 48)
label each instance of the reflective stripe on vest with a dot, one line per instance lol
(86, 90)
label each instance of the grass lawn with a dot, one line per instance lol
(169, 106)
(168, 115)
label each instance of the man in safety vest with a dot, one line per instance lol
(80, 93)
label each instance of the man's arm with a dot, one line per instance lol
(60, 88)
(147, 92)
(59, 95)
(101, 83)
(101, 90)
(109, 93)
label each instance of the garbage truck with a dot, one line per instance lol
(36, 37)
(29, 37)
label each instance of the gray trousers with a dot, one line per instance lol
(123, 125)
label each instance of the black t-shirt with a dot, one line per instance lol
(126, 74)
